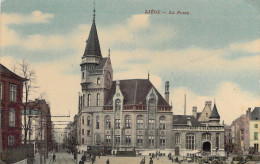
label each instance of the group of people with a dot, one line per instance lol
(171, 157)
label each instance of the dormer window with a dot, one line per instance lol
(98, 80)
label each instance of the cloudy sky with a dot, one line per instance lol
(211, 53)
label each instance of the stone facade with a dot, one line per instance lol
(131, 114)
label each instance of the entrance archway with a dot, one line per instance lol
(206, 146)
(177, 150)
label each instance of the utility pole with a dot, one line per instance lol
(185, 105)
(41, 144)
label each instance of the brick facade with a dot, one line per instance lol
(8, 78)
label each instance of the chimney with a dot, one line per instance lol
(248, 113)
(167, 93)
(208, 103)
(194, 111)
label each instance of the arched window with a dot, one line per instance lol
(118, 104)
(83, 121)
(83, 100)
(107, 122)
(177, 138)
(162, 123)
(97, 122)
(98, 80)
(151, 107)
(206, 136)
(127, 122)
(88, 121)
(89, 99)
(140, 122)
(83, 75)
(98, 99)
(12, 118)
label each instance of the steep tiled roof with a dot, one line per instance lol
(214, 113)
(198, 114)
(5, 70)
(101, 63)
(93, 47)
(134, 92)
(255, 115)
(182, 120)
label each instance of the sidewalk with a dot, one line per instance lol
(37, 159)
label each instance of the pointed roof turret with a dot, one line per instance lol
(214, 113)
(93, 47)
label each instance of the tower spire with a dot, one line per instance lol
(148, 75)
(109, 52)
(94, 13)
(93, 46)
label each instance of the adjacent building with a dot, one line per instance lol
(254, 129)
(228, 139)
(240, 133)
(198, 134)
(40, 128)
(11, 93)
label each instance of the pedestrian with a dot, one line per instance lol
(99, 155)
(151, 161)
(93, 160)
(75, 155)
(107, 162)
(172, 160)
(53, 157)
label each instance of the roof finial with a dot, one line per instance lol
(148, 75)
(94, 12)
(109, 52)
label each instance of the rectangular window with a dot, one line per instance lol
(10, 140)
(97, 122)
(139, 140)
(12, 118)
(162, 140)
(140, 123)
(128, 122)
(256, 147)
(108, 138)
(88, 132)
(13, 93)
(177, 138)
(151, 124)
(1, 90)
(128, 139)
(88, 121)
(83, 75)
(217, 141)
(255, 135)
(256, 125)
(117, 139)
(190, 142)
(82, 131)
(82, 120)
(151, 140)
(117, 123)
(82, 141)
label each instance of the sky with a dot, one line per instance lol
(212, 53)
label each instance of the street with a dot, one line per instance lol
(65, 158)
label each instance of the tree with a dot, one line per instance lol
(26, 72)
